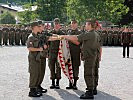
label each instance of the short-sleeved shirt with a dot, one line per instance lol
(90, 43)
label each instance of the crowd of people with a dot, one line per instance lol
(17, 35)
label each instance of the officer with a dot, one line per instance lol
(90, 42)
(75, 54)
(55, 70)
(35, 62)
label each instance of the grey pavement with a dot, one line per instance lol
(115, 83)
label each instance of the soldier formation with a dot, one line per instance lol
(85, 44)
(17, 35)
(14, 35)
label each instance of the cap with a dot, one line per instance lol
(57, 20)
(34, 23)
(40, 22)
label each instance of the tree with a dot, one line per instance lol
(109, 10)
(27, 16)
(7, 18)
(50, 9)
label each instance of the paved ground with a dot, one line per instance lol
(115, 83)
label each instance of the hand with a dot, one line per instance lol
(129, 43)
(40, 49)
(121, 43)
(45, 46)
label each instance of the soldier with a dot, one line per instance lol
(55, 70)
(115, 37)
(98, 59)
(23, 36)
(37, 61)
(0, 37)
(90, 40)
(105, 37)
(12, 36)
(110, 37)
(75, 55)
(17, 36)
(5, 35)
(126, 41)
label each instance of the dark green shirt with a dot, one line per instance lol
(90, 43)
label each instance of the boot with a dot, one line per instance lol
(33, 93)
(53, 84)
(75, 85)
(87, 95)
(57, 84)
(70, 86)
(42, 90)
(94, 91)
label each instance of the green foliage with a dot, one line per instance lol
(7, 18)
(27, 16)
(50, 9)
(109, 10)
(104, 10)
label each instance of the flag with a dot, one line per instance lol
(64, 59)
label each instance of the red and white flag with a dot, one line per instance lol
(64, 59)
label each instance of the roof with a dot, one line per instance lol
(16, 7)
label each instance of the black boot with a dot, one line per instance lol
(87, 95)
(70, 86)
(34, 93)
(57, 84)
(40, 89)
(75, 85)
(53, 84)
(94, 91)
